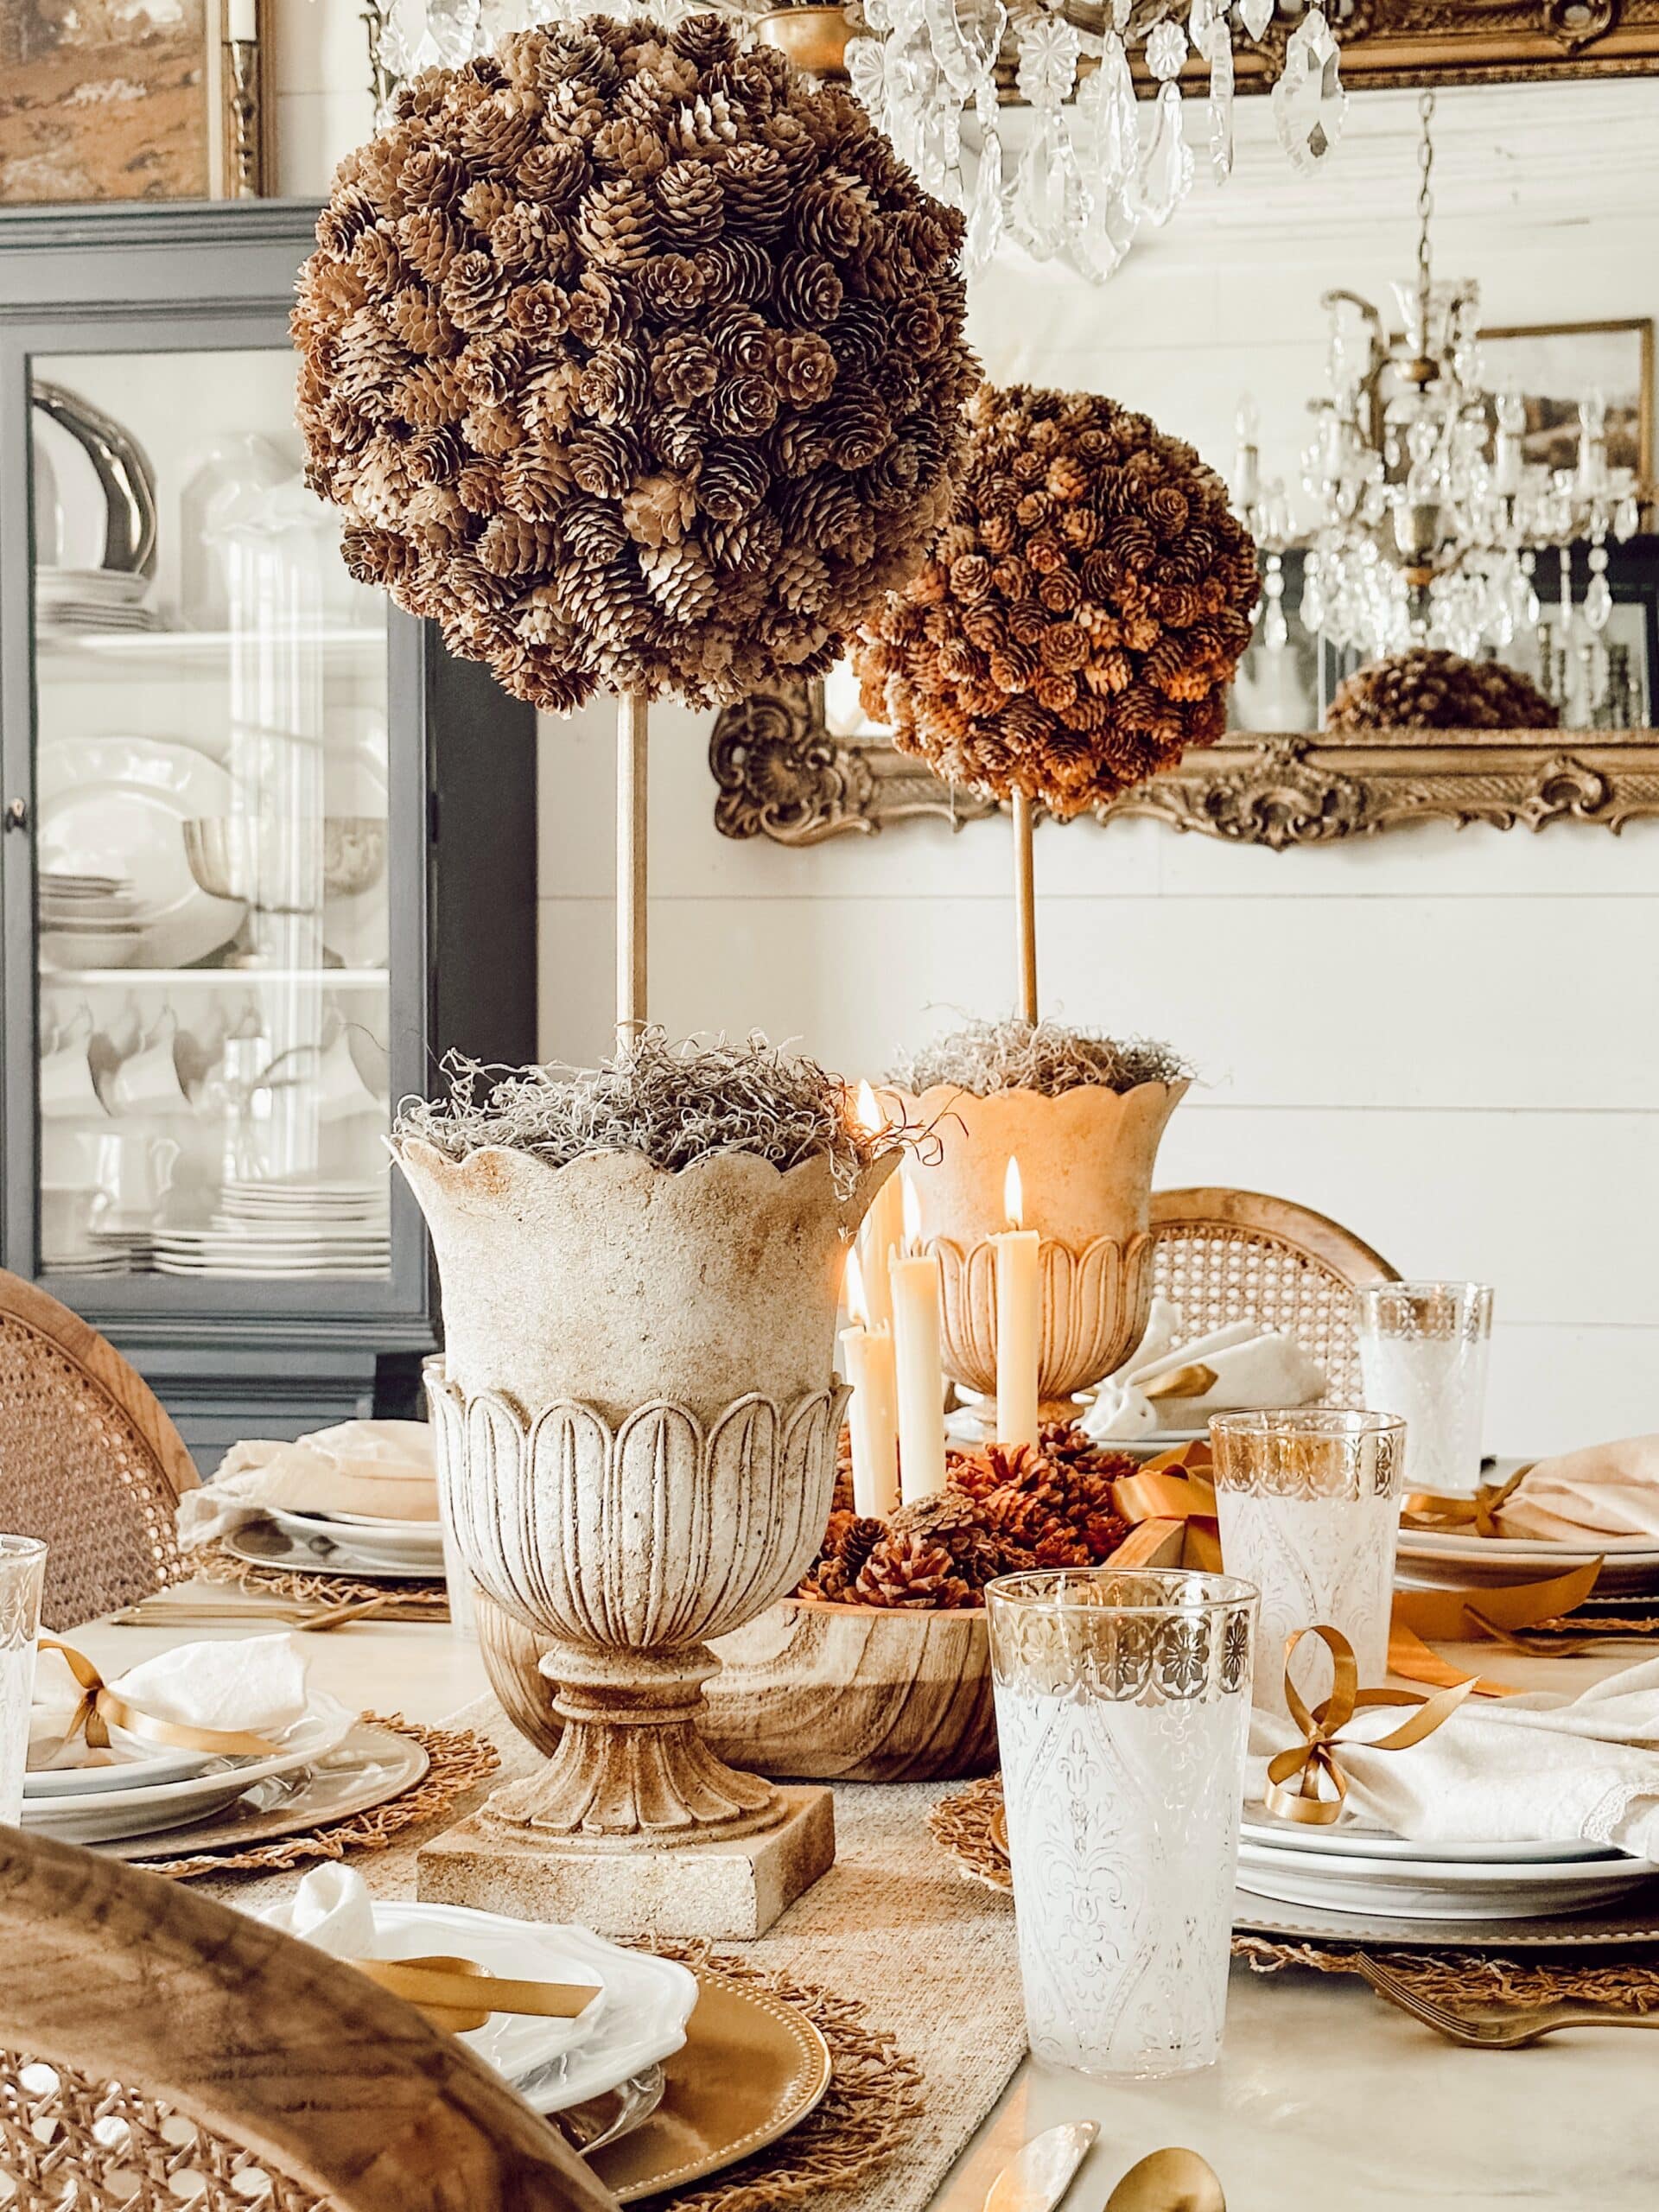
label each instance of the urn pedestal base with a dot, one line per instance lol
(732, 1890)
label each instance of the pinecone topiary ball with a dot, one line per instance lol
(1078, 619)
(1425, 688)
(634, 358)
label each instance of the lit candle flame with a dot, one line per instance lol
(866, 1113)
(912, 1206)
(853, 1290)
(1013, 1197)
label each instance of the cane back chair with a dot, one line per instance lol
(89, 1459)
(159, 2050)
(1240, 1256)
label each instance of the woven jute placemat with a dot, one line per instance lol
(910, 1972)
(213, 1563)
(960, 1822)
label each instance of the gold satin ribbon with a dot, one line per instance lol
(1434, 1511)
(1314, 1759)
(1176, 1487)
(101, 1708)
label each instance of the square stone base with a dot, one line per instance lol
(720, 1889)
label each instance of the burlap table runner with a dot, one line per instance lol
(893, 1923)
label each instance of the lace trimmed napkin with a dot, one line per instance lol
(1250, 1368)
(1533, 1769)
(254, 1685)
(380, 1468)
(1610, 1490)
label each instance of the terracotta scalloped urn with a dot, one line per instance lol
(1086, 1160)
(636, 1412)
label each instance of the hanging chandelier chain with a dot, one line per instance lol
(1425, 214)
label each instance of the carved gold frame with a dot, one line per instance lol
(782, 774)
(1392, 43)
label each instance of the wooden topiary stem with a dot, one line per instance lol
(1024, 907)
(633, 783)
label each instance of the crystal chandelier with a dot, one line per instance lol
(1089, 177)
(1430, 516)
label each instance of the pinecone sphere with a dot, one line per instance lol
(635, 359)
(1427, 690)
(1078, 620)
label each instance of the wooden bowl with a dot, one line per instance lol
(810, 1692)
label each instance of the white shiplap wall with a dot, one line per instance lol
(1449, 1041)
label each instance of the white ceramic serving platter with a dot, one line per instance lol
(1419, 1889)
(1357, 1840)
(262, 1545)
(122, 803)
(119, 1813)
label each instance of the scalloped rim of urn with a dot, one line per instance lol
(481, 1168)
(950, 1095)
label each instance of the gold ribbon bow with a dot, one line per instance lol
(100, 1708)
(1432, 1509)
(1306, 1763)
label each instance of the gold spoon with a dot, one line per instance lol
(1169, 2181)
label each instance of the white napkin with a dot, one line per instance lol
(1609, 1489)
(331, 1909)
(1542, 1768)
(255, 1684)
(383, 1468)
(1255, 1368)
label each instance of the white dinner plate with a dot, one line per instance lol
(262, 1545)
(1420, 1890)
(97, 1817)
(120, 804)
(396, 1543)
(129, 1764)
(1358, 1840)
(639, 2020)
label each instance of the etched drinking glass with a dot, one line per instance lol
(1423, 1348)
(23, 1569)
(1122, 1708)
(1308, 1507)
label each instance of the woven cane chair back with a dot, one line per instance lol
(159, 2050)
(88, 1460)
(1239, 1255)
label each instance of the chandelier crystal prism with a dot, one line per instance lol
(1430, 516)
(1097, 164)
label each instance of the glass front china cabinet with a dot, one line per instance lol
(267, 852)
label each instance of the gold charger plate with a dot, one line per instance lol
(371, 1765)
(751, 2067)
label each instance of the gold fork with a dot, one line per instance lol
(1494, 2029)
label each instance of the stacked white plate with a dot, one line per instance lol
(93, 598)
(1355, 1867)
(638, 2019)
(89, 921)
(362, 1540)
(287, 1228)
(144, 1788)
(1458, 1558)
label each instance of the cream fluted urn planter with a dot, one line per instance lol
(1086, 1158)
(636, 1416)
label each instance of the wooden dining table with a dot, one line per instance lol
(1326, 2099)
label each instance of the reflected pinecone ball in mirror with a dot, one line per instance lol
(1078, 620)
(635, 358)
(1427, 689)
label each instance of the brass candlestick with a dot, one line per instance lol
(242, 102)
